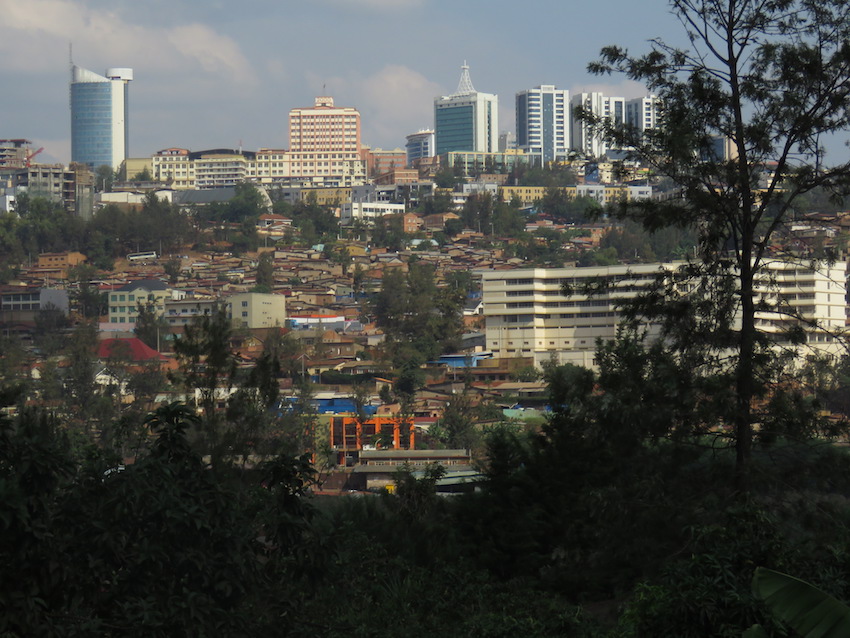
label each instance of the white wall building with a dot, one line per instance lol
(582, 136)
(642, 113)
(543, 122)
(367, 211)
(124, 301)
(527, 314)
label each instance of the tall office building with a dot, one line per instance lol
(583, 138)
(543, 122)
(642, 113)
(99, 116)
(419, 145)
(324, 140)
(466, 120)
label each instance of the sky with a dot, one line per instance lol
(216, 74)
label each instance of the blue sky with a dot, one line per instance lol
(210, 73)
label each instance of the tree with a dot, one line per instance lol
(104, 178)
(50, 322)
(151, 325)
(770, 80)
(172, 268)
(143, 175)
(456, 427)
(208, 367)
(265, 271)
(421, 321)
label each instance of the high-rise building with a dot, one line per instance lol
(642, 113)
(543, 122)
(99, 116)
(466, 120)
(583, 137)
(324, 140)
(419, 145)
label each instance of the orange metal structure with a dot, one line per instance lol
(348, 433)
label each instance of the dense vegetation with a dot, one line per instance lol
(598, 524)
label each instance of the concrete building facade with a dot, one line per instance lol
(367, 212)
(543, 122)
(583, 138)
(527, 314)
(256, 309)
(124, 301)
(324, 140)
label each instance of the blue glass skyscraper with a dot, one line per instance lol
(99, 122)
(466, 120)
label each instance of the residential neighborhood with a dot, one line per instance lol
(292, 344)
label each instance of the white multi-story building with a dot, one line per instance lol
(527, 314)
(466, 120)
(642, 113)
(583, 137)
(220, 169)
(180, 312)
(174, 166)
(368, 212)
(271, 165)
(543, 122)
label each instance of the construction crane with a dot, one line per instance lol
(28, 159)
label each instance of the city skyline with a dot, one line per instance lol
(205, 77)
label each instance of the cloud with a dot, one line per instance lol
(395, 101)
(34, 34)
(212, 52)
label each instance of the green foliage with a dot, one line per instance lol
(208, 367)
(151, 325)
(557, 204)
(420, 319)
(158, 547)
(445, 178)
(768, 80)
(808, 610)
(553, 176)
(456, 428)
(389, 233)
(315, 223)
(50, 323)
(172, 269)
(265, 270)
(143, 175)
